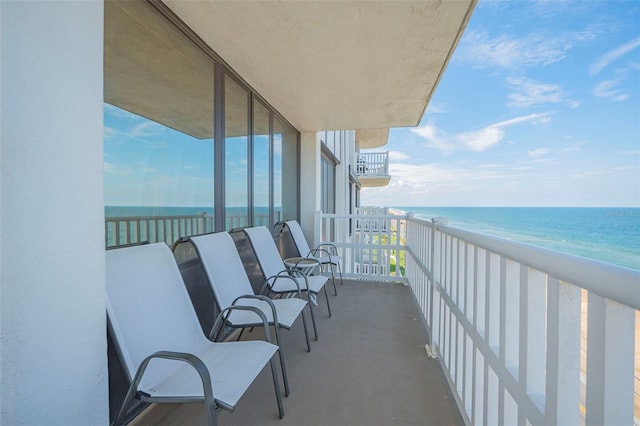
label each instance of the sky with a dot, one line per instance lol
(539, 106)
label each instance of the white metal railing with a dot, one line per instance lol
(371, 244)
(135, 229)
(525, 335)
(372, 164)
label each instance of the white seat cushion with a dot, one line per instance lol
(232, 365)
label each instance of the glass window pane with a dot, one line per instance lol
(236, 155)
(158, 129)
(261, 179)
(285, 171)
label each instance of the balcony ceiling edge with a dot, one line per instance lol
(371, 138)
(335, 65)
(371, 182)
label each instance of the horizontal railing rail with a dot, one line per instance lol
(372, 164)
(134, 229)
(525, 335)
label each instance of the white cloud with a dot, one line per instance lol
(436, 109)
(527, 92)
(435, 137)
(398, 156)
(574, 148)
(117, 169)
(475, 140)
(146, 129)
(505, 51)
(535, 153)
(612, 55)
(109, 133)
(610, 89)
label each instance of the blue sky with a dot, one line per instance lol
(539, 106)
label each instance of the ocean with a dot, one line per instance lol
(609, 235)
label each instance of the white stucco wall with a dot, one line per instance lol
(309, 181)
(342, 172)
(53, 366)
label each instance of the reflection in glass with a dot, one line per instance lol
(261, 181)
(285, 172)
(158, 128)
(236, 155)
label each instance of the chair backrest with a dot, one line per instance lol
(149, 309)
(266, 250)
(223, 267)
(298, 237)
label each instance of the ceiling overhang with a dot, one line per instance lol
(371, 138)
(328, 65)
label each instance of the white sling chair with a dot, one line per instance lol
(231, 287)
(326, 254)
(276, 274)
(164, 352)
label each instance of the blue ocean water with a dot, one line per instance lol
(606, 234)
(609, 235)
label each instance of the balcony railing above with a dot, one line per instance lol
(372, 168)
(524, 335)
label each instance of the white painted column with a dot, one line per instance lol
(309, 181)
(53, 366)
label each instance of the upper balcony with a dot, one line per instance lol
(372, 169)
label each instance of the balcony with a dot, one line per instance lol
(372, 169)
(368, 367)
(522, 335)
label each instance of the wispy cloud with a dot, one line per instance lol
(437, 109)
(146, 129)
(117, 169)
(109, 133)
(605, 60)
(574, 147)
(610, 89)
(527, 92)
(505, 51)
(613, 88)
(535, 153)
(398, 156)
(475, 140)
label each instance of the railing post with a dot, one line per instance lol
(435, 271)
(317, 227)
(386, 163)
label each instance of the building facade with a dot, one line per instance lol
(152, 105)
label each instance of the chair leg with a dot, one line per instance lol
(326, 295)
(340, 272)
(282, 366)
(306, 331)
(313, 317)
(240, 335)
(124, 407)
(276, 386)
(333, 278)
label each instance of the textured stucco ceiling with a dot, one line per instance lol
(331, 65)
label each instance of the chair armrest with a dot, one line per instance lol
(332, 246)
(300, 274)
(283, 274)
(317, 250)
(190, 359)
(264, 299)
(223, 317)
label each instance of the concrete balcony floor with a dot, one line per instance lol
(369, 367)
